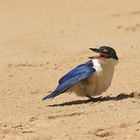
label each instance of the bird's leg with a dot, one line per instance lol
(85, 83)
(89, 97)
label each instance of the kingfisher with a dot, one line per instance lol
(91, 78)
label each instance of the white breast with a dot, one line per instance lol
(101, 80)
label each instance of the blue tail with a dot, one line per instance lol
(60, 89)
(48, 96)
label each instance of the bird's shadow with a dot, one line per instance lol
(121, 96)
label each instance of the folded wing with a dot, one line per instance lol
(79, 73)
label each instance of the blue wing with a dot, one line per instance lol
(79, 73)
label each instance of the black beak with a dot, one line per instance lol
(91, 57)
(95, 50)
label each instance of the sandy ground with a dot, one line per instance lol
(40, 41)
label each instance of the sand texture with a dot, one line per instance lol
(42, 40)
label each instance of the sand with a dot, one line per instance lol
(42, 40)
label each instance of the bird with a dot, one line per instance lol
(91, 78)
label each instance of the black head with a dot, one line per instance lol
(106, 52)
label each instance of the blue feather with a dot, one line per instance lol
(79, 73)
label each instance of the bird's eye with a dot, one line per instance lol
(105, 51)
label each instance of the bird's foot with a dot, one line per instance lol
(89, 97)
(93, 99)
